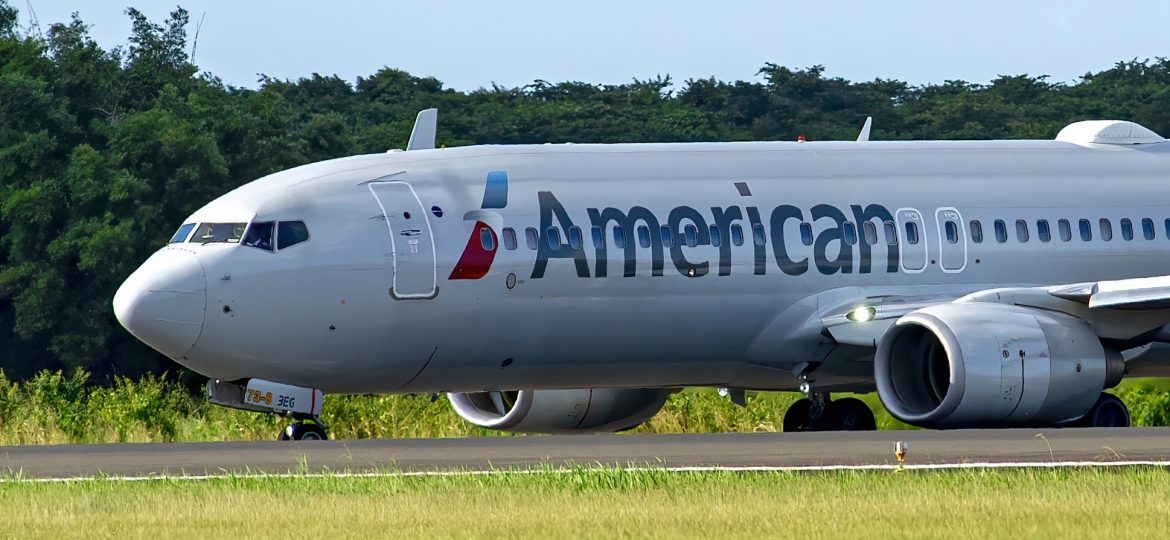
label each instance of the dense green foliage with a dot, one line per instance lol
(103, 152)
(55, 408)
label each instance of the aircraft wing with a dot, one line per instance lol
(1120, 310)
(1132, 294)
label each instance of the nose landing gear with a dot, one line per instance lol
(312, 429)
(302, 404)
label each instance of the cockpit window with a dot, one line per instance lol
(218, 232)
(182, 233)
(290, 233)
(259, 235)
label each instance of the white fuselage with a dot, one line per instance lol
(372, 301)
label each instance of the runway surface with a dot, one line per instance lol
(779, 450)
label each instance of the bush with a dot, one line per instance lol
(55, 408)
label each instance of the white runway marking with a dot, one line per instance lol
(809, 468)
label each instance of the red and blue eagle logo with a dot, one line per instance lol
(483, 243)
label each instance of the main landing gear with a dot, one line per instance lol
(1109, 411)
(301, 404)
(817, 412)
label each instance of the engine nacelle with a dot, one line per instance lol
(560, 411)
(986, 365)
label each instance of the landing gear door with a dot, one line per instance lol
(911, 232)
(411, 243)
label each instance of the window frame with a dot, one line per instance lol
(1126, 226)
(271, 233)
(976, 231)
(806, 234)
(1001, 236)
(1023, 235)
(509, 238)
(277, 241)
(1043, 230)
(576, 238)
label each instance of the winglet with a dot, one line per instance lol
(864, 135)
(422, 137)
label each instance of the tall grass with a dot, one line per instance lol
(55, 408)
(606, 503)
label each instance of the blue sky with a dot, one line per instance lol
(472, 44)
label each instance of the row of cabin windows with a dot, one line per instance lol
(690, 236)
(1064, 230)
(849, 233)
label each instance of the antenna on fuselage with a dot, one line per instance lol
(422, 137)
(864, 135)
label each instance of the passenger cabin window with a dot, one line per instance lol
(619, 237)
(952, 231)
(208, 233)
(531, 237)
(1086, 230)
(1168, 229)
(1065, 230)
(487, 240)
(760, 239)
(716, 240)
(259, 235)
(891, 233)
(575, 239)
(1021, 230)
(182, 234)
(1000, 231)
(290, 233)
(976, 231)
(554, 237)
(644, 236)
(509, 238)
(1043, 231)
(691, 235)
(598, 235)
(911, 233)
(869, 230)
(848, 232)
(1126, 229)
(806, 234)
(1148, 228)
(737, 234)
(1106, 229)
(667, 237)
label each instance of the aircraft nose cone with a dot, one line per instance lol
(162, 303)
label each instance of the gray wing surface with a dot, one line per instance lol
(1122, 310)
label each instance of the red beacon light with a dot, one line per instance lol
(801, 138)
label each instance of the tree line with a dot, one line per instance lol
(104, 152)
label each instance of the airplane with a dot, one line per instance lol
(573, 287)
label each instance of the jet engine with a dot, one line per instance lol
(560, 411)
(986, 365)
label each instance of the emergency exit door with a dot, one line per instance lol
(952, 240)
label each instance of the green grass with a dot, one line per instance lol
(54, 408)
(1029, 503)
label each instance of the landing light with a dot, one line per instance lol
(861, 314)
